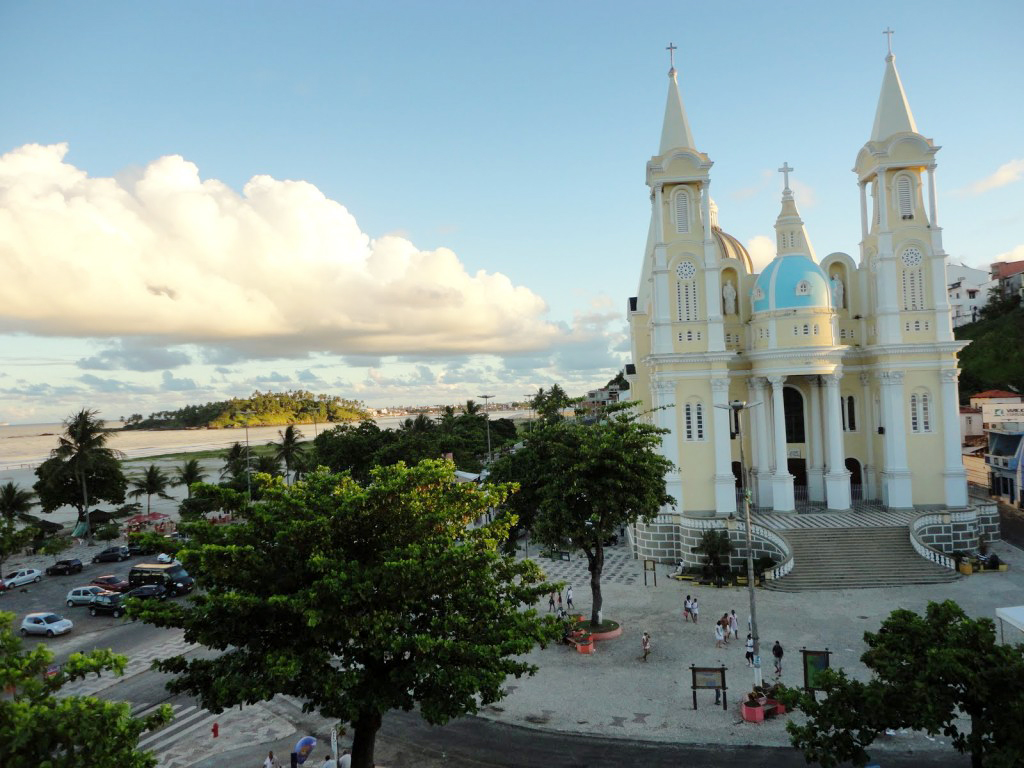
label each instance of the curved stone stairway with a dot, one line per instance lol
(856, 558)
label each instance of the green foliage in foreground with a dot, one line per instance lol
(259, 409)
(929, 673)
(359, 599)
(40, 730)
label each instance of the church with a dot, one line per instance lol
(846, 365)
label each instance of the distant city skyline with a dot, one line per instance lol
(414, 203)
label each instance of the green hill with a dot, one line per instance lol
(260, 409)
(995, 357)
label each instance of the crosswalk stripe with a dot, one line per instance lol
(203, 722)
(185, 715)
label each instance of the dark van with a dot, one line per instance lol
(171, 575)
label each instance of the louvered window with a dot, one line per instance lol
(700, 421)
(688, 421)
(913, 289)
(905, 197)
(920, 412)
(686, 301)
(682, 212)
(878, 209)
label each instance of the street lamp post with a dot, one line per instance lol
(248, 469)
(735, 408)
(485, 398)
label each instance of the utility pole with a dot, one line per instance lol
(485, 398)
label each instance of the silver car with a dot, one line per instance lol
(83, 595)
(24, 576)
(48, 624)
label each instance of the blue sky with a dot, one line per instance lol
(421, 202)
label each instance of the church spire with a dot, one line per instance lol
(790, 233)
(675, 132)
(893, 114)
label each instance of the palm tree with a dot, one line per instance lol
(471, 408)
(80, 445)
(288, 449)
(189, 473)
(235, 461)
(14, 501)
(153, 481)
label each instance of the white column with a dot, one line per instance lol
(897, 491)
(816, 468)
(863, 211)
(661, 323)
(659, 213)
(866, 421)
(932, 205)
(725, 484)
(763, 485)
(837, 481)
(665, 416)
(705, 208)
(783, 499)
(953, 472)
(883, 203)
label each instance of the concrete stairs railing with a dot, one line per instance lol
(856, 558)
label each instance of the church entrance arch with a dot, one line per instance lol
(793, 405)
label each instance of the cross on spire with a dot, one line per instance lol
(888, 32)
(785, 170)
(671, 48)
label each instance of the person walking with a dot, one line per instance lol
(750, 650)
(694, 609)
(551, 602)
(724, 621)
(270, 762)
(734, 624)
(777, 653)
(568, 597)
(719, 634)
(645, 646)
(687, 608)
(345, 761)
(559, 599)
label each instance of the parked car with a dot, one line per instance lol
(111, 583)
(109, 603)
(83, 595)
(24, 576)
(171, 575)
(65, 567)
(165, 558)
(148, 592)
(135, 550)
(112, 555)
(48, 624)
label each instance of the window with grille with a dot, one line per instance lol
(920, 412)
(905, 197)
(803, 288)
(688, 421)
(682, 212)
(913, 288)
(693, 421)
(849, 414)
(700, 421)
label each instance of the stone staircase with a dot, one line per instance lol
(856, 558)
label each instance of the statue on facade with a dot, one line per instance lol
(838, 291)
(729, 297)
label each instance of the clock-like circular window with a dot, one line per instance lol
(686, 270)
(912, 257)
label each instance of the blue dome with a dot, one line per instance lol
(791, 281)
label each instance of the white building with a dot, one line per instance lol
(968, 292)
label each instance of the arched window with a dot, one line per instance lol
(682, 201)
(849, 413)
(807, 329)
(913, 279)
(905, 196)
(693, 420)
(920, 412)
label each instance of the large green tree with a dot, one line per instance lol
(152, 482)
(82, 469)
(930, 673)
(585, 482)
(359, 599)
(39, 729)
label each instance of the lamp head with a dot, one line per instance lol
(737, 405)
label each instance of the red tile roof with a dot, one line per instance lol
(994, 392)
(1003, 269)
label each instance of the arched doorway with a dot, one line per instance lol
(856, 480)
(793, 406)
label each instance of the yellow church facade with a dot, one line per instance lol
(847, 364)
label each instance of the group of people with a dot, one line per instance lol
(558, 595)
(725, 627)
(344, 761)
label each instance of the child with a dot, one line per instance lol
(687, 608)
(645, 644)
(750, 650)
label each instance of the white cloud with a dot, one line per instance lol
(1015, 254)
(762, 250)
(1007, 173)
(278, 271)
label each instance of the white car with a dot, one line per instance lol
(24, 576)
(48, 624)
(83, 595)
(163, 557)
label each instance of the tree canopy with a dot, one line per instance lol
(382, 593)
(928, 672)
(39, 729)
(152, 482)
(82, 469)
(581, 483)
